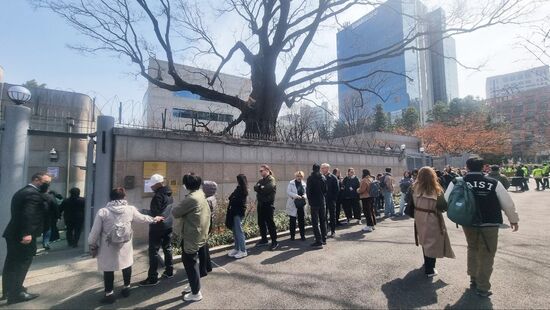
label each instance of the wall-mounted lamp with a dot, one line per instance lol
(53, 155)
(403, 147)
(422, 150)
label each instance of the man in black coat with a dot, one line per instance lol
(160, 234)
(333, 188)
(72, 209)
(27, 219)
(316, 191)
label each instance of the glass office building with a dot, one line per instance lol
(405, 79)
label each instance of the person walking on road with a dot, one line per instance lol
(367, 200)
(27, 218)
(316, 189)
(431, 232)
(192, 223)
(333, 188)
(266, 189)
(296, 204)
(72, 209)
(236, 211)
(537, 175)
(110, 240)
(160, 234)
(491, 199)
(520, 173)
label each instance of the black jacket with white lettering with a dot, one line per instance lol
(486, 197)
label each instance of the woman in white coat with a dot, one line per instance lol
(296, 204)
(110, 240)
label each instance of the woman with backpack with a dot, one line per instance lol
(430, 231)
(404, 186)
(234, 217)
(367, 199)
(110, 240)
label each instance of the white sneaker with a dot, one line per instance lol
(193, 297)
(232, 253)
(241, 255)
(367, 229)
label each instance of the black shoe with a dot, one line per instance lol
(149, 282)
(125, 292)
(21, 297)
(167, 275)
(317, 244)
(333, 234)
(292, 238)
(47, 247)
(473, 285)
(262, 243)
(324, 242)
(3, 297)
(274, 246)
(108, 299)
(303, 238)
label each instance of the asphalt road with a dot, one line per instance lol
(356, 270)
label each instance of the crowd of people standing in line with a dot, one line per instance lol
(326, 193)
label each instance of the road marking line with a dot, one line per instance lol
(213, 262)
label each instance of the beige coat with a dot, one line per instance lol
(364, 188)
(430, 227)
(109, 257)
(192, 221)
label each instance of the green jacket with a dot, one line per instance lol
(192, 221)
(537, 173)
(525, 171)
(501, 178)
(545, 170)
(265, 190)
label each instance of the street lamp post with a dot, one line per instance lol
(13, 152)
(422, 151)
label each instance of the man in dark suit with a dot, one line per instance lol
(27, 218)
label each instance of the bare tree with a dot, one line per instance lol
(299, 126)
(277, 37)
(354, 116)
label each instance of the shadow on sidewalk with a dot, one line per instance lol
(412, 291)
(469, 300)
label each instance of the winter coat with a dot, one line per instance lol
(364, 187)
(292, 192)
(316, 189)
(389, 181)
(266, 189)
(192, 221)
(500, 177)
(430, 227)
(350, 186)
(333, 187)
(114, 257)
(160, 206)
(237, 203)
(72, 209)
(27, 214)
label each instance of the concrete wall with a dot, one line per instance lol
(221, 161)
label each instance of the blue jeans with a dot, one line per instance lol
(389, 209)
(238, 234)
(402, 204)
(46, 238)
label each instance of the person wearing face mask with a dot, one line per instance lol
(25, 225)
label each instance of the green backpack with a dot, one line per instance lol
(462, 205)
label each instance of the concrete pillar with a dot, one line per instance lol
(103, 162)
(13, 163)
(89, 193)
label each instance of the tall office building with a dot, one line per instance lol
(516, 82)
(414, 77)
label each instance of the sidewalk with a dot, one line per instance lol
(355, 270)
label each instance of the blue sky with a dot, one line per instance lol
(34, 46)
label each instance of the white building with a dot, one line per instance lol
(515, 82)
(183, 110)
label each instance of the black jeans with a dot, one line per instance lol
(265, 221)
(352, 208)
(205, 263)
(429, 264)
(332, 216)
(191, 265)
(109, 278)
(73, 233)
(318, 218)
(301, 223)
(160, 239)
(368, 210)
(346, 205)
(545, 181)
(18, 261)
